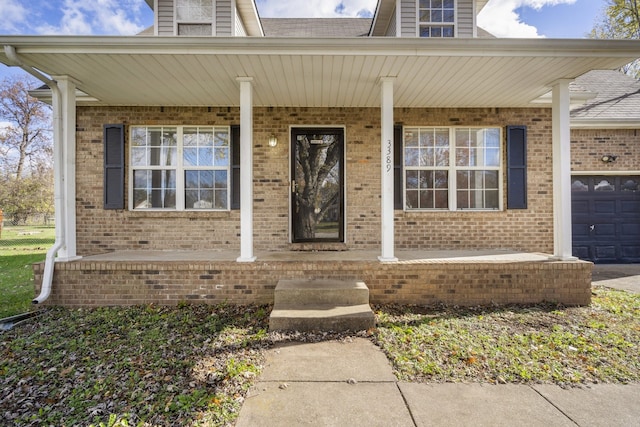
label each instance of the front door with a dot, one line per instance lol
(317, 193)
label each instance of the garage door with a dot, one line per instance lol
(606, 218)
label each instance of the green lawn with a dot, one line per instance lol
(191, 365)
(20, 247)
(513, 344)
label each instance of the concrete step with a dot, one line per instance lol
(321, 318)
(321, 291)
(321, 305)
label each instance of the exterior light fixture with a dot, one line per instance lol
(609, 158)
(273, 140)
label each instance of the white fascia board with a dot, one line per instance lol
(389, 46)
(250, 17)
(605, 124)
(46, 96)
(577, 98)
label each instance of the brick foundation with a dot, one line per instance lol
(87, 283)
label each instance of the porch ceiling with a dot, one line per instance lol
(157, 71)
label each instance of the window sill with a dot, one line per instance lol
(208, 214)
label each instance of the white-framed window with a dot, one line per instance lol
(194, 17)
(436, 18)
(452, 168)
(180, 167)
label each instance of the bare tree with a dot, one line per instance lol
(26, 172)
(25, 138)
(317, 178)
(620, 20)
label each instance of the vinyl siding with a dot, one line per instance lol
(224, 18)
(408, 19)
(165, 18)
(465, 18)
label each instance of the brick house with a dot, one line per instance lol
(219, 152)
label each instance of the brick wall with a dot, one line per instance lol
(525, 230)
(102, 231)
(589, 145)
(87, 283)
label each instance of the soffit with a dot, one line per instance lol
(249, 14)
(157, 71)
(381, 17)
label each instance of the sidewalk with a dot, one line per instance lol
(351, 383)
(336, 383)
(625, 277)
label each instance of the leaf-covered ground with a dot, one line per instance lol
(542, 343)
(187, 365)
(192, 365)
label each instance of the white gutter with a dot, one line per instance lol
(60, 235)
(627, 123)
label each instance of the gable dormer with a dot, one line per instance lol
(221, 18)
(427, 18)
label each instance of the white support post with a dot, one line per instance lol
(386, 208)
(67, 89)
(561, 171)
(246, 171)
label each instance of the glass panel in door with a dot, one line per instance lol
(317, 194)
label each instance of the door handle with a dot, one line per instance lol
(294, 186)
(591, 227)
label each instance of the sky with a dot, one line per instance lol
(503, 18)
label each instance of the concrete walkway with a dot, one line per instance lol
(625, 277)
(351, 383)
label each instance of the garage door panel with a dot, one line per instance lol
(606, 218)
(630, 253)
(604, 230)
(580, 206)
(629, 230)
(581, 231)
(630, 207)
(605, 253)
(604, 207)
(581, 252)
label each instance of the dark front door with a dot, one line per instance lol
(317, 193)
(605, 213)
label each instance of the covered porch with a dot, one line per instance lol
(417, 277)
(366, 86)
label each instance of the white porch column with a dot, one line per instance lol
(561, 171)
(386, 208)
(246, 171)
(67, 89)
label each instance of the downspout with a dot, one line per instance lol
(60, 232)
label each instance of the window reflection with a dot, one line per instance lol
(579, 184)
(604, 185)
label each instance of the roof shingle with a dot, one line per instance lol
(618, 96)
(316, 27)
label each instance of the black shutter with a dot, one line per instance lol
(113, 166)
(516, 167)
(235, 167)
(397, 167)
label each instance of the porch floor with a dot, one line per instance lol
(404, 257)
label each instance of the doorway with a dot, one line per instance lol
(317, 184)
